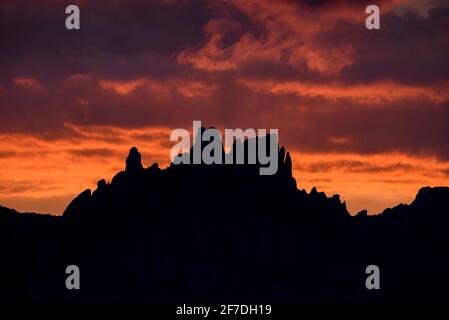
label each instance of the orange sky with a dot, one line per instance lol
(42, 176)
(365, 114)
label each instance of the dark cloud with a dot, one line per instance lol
(116, 38)
(355, 166)
(334, 3)
(9, 187)
(94, 153)
(414, 127)
(136, 39)
(7, 154)
(409, 49)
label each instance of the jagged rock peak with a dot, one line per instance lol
(134, 161)
(101, 184)
(430, 195)
(282, 155)
(79, 204)
(288, 163)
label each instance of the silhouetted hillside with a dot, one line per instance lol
(223, 231)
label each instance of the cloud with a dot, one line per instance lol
(356, 166)
(103, 153)
(7, 154)
(29, 83)
(21, 186)
(409, 49)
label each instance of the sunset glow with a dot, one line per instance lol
(364, 114)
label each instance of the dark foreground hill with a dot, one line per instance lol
(223, 231)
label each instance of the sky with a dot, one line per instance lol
(364, 113)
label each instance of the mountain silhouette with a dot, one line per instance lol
(223, 232)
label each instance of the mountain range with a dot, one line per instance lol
(196, 231)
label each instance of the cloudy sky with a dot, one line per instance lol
(365, 113)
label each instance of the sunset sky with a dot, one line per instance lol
(365, 113)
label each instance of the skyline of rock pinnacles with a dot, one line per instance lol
(197, 231)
